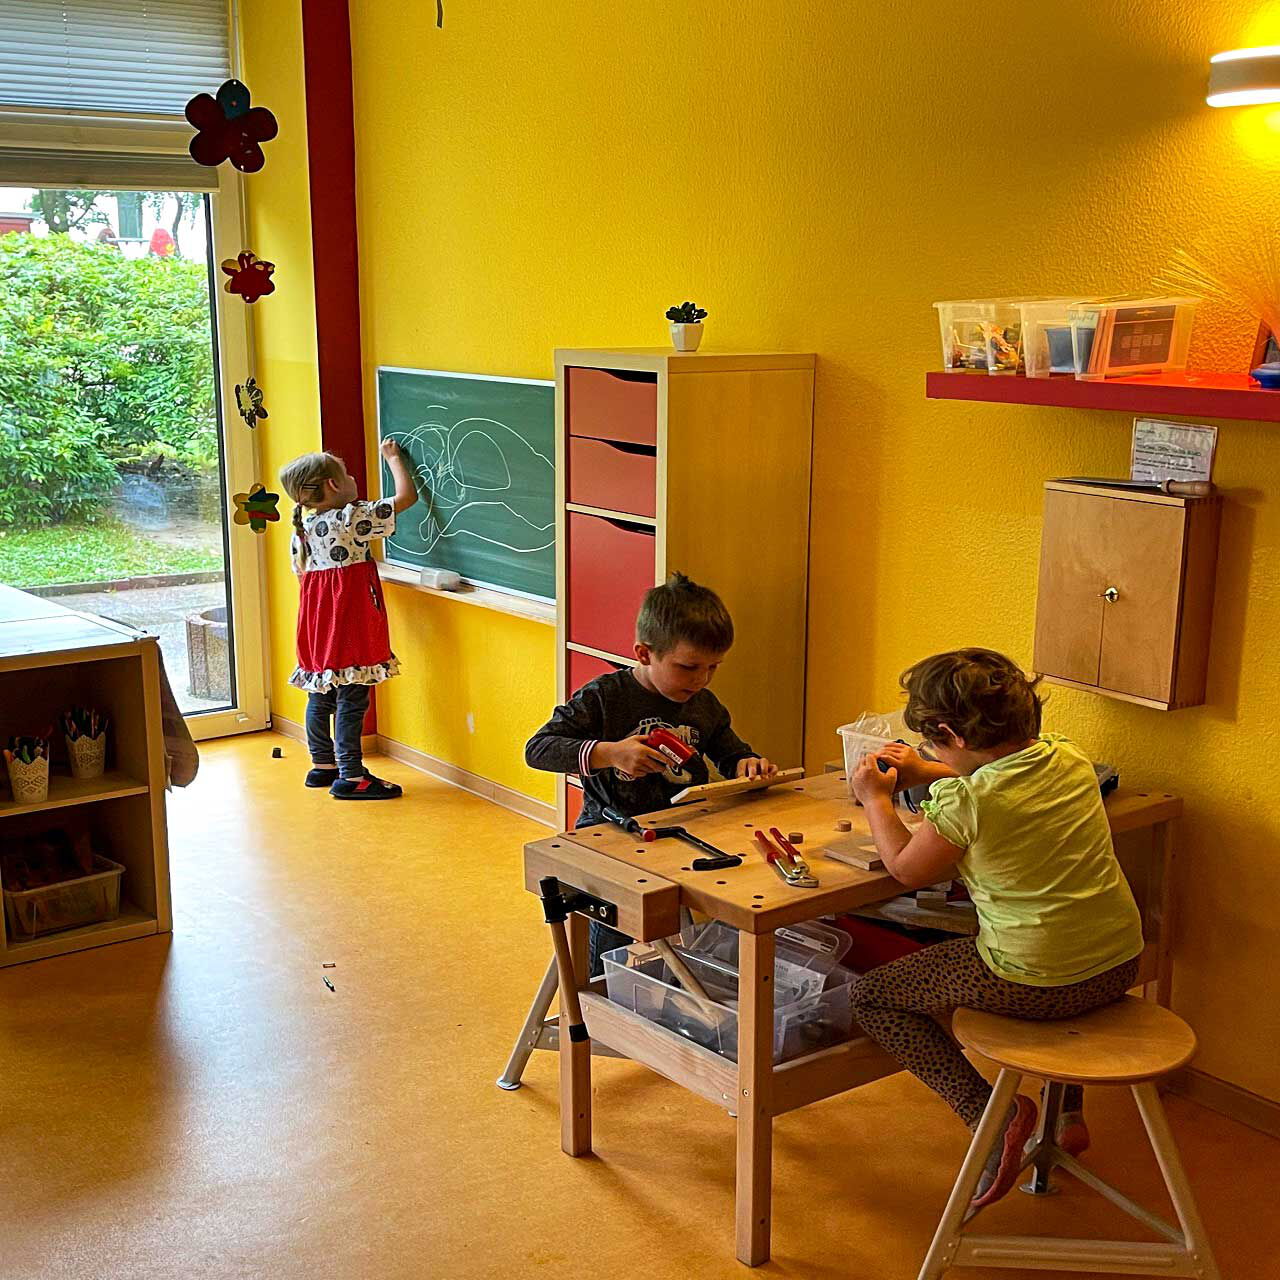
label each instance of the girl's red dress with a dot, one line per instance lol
(342, 617)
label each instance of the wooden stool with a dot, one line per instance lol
(1130, 1042)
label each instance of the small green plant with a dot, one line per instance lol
(686, 313)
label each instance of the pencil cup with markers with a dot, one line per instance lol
(86, 735)
(27, 762)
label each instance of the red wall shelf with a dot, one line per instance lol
(1197, 395)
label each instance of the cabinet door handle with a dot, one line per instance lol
(1110, 595)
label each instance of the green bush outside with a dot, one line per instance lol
(106, 366)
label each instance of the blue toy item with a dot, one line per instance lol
(1267, 376)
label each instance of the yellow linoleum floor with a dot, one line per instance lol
(202, 1106)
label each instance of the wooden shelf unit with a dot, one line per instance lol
(1192, 394)
(52, 658)
(697, 462)
(65, 790)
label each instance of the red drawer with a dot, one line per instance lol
(612, 404)
(583, 668)
(611, 566)
(614, 475)
(572, 805)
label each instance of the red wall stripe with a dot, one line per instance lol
(331, 171)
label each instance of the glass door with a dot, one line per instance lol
(120, 446)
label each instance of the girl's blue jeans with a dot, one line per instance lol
(344, 705)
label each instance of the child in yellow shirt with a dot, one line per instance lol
(1017, 814)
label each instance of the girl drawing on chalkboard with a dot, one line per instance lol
(343, 644)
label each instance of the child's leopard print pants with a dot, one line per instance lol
(895, 1005)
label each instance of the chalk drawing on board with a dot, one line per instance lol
(464, 467)
(482, 450)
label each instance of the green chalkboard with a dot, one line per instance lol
(483, 452)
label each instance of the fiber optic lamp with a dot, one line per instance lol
(1244, 77)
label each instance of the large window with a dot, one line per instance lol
(111, 493)
(120, 445)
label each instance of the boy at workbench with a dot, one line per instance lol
(1019, 816)
(683, 633)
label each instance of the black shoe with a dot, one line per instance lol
(321, 777)
(366, 788)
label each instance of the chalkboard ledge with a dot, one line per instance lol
(485, 597)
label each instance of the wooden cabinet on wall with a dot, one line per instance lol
(697, 462)
(1126, 593)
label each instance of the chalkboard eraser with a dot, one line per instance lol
(441, 579)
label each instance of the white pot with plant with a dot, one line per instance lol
(686, 325)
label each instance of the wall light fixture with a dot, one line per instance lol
(1243, 77)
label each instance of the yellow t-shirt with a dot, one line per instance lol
(1053, 904)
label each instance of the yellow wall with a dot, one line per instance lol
(816, 176)
(279, 218)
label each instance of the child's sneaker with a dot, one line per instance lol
(366, 788)
(1071, 1133)
(1005, 1162)
(322, 777)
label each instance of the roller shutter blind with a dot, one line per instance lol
(145, 57)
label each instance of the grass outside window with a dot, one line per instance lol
(98, 552)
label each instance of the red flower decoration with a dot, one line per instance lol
(250, 276)
(228, 128)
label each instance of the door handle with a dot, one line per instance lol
(1110, 595)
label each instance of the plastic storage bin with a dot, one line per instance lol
(802, 1023)
(90, 899)
(983, 335)
(1046, 336)
(806, 954)
(1122, 337)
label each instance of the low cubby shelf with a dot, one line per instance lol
(65, 790)
(52, 658)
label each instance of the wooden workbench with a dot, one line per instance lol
(649, 883)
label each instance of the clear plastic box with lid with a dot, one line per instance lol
(1125, 337)
(981, 335)
(1046, 336)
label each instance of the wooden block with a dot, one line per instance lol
(735, 786)
(844, 825)
(796, 837)
(864, 860)
(855, 851)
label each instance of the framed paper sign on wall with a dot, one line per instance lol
(482, 450)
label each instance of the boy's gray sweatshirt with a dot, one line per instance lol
(617, 706)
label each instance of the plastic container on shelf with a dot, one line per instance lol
(802, 1023)
(981, 335)
(29, 782)
(1123, 337)
(87, 756)
(1046, 336)
(91, 899)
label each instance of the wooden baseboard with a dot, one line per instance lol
(291, 729)
(463, 779)
(1227, 1099)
